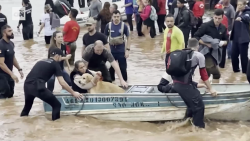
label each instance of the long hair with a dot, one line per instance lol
(77, 66)
(106, 14)
(52, 40)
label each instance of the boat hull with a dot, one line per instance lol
(145, 103)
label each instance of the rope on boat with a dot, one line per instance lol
(178, 106)
(83, 102)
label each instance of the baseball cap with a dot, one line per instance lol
(218, 6)
(90, 21)
(55, 51)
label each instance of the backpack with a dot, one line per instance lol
(193, 19)
(178, 63)
(153, 15)
(156, 6)
(54, 20)
(116, 40)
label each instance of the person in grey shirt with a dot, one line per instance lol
(94, 9)
(230, 14)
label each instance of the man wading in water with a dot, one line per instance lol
(34, 85)
(71, 31)
(7, 61)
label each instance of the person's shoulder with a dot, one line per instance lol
(198, 55)
(231, 7)
(89, 48)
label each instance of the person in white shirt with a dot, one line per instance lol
(45, 23)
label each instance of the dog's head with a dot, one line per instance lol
(85, 78)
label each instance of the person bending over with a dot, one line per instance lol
(34, 85)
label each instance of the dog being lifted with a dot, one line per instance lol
(101, 86)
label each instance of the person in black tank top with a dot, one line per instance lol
(80, 69)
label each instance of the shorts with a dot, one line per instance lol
(47, 39)
(148, 22)
(7, 85)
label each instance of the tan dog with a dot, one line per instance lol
(101, 86)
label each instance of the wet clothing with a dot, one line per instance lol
(240, 36)
(97, 62)
(34, 86)
(7, 84)
(189, 92)
(27, 30)
(74, 86)
(161, 15)
(129, 12)
(145, 15)
(122, 62)
(3, 21)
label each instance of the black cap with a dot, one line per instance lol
(55, 51)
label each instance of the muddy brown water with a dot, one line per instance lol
(144, 67)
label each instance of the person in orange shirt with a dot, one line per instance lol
(71, 31)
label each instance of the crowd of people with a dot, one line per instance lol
(106, 47)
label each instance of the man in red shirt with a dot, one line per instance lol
(71, 31)
(161, 15)
(198, 10)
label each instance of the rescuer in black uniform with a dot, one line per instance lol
(34, 85)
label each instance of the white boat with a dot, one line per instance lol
(146, 103)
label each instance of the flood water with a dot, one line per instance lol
(144, 67)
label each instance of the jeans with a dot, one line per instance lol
(51, 82)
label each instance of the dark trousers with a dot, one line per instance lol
(139, 24)
(120, 57)
(51, 82)
(105, 73)
(242, 50)
(129, 19)
(223, 57)
(186, 32)
(47, 39)
(192, 98)
(31, 91)
(27, 32)
(7, 85)
(160, 22)
(194, 29)
(152, 31)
